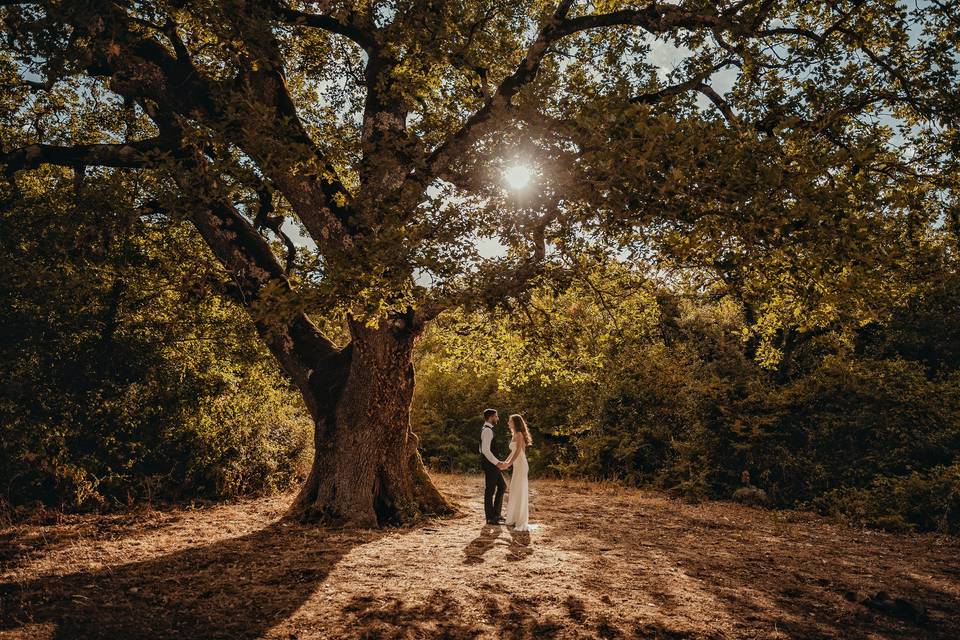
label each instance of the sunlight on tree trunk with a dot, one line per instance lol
(366, 469)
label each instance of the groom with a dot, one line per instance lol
(494, 482)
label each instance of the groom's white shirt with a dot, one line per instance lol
(486, 437)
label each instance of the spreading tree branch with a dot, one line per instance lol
(136, 154)
(149, 73)
(525, 72)
(654, 18)
(718, 102)
(326, 22)
(696, 82)
(265, 219)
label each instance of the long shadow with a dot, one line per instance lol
(442, 615)
(234, 588)
(518, 545)
(822, 594)
(22, 542)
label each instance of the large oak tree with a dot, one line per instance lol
(378, 132)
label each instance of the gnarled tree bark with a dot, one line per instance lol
(367, 469)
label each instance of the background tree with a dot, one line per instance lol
(123, 378)
(381, 130)
(631, 378)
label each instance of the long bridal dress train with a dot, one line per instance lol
(518, 501)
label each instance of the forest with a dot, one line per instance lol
(265, 263)
(629, 379)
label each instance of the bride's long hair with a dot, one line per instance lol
(517, 423)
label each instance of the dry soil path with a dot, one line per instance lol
(603, 562)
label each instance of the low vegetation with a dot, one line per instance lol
(626, 380)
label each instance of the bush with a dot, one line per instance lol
(163, 432)
(124, 377)
(447, 410)
(928, 501)
(676, 401)
(851, 421)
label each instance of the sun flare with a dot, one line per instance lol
(517, 176)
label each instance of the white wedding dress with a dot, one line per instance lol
(518, 501)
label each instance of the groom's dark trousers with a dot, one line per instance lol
(494, 486)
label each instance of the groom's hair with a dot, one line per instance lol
(488, 413)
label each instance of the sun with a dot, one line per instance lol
(517, 176)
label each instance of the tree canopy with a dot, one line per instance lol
(345, 159)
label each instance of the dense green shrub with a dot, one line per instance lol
(854, 420)
(122, 378)
(862, 428)
(448, 406)
(928, 500)
(160, 436)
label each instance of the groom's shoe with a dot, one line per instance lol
(501, 520)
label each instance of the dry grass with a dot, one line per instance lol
(605, 562)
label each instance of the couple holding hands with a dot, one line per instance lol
(518, 503)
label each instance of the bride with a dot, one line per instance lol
(518, 502)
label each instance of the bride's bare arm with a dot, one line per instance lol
(519, 441)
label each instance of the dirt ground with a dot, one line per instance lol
(603, 562)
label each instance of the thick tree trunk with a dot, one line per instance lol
(366, 469)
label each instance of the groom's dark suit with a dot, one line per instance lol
(494, 484)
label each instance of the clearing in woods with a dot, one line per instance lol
(604, 562)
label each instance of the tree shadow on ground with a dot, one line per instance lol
(38, 537)
(519, 617)
(443, 615)
(816, 588)
(439, 616)
(234, 588)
